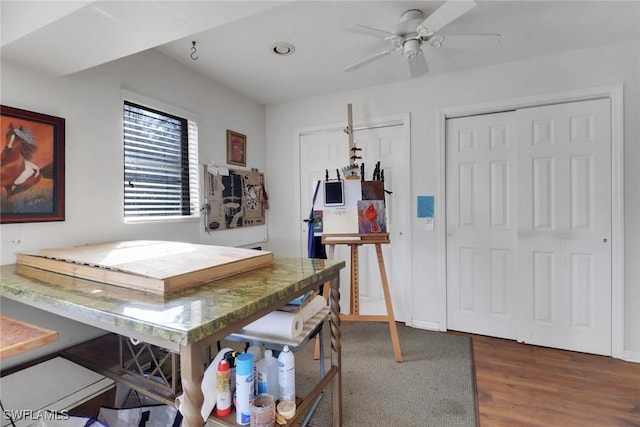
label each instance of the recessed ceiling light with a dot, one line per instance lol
(282, 48)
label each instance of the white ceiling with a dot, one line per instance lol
(234, 38)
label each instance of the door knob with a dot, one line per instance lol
(450, 234)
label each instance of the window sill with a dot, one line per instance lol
(163, 219)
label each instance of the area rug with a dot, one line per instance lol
(434, 385)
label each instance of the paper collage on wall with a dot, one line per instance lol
(238, 199)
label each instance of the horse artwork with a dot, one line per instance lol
(31, 168)
(19, 173)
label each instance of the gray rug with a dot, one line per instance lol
(433, 386)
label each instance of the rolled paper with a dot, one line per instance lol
(312, 307)
(278, 323)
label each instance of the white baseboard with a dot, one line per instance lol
(431, 326)
(631, 356)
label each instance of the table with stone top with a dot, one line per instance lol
(190, 321)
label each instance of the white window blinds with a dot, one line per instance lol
(160, 164)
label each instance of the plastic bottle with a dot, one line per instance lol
(286, 375)
(256, 352)
(267, 369)
(223, 400)
(230, 357)
(244, 388)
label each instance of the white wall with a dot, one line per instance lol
(423, 98)
(91, 103)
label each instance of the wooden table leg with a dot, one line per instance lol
(192, 373)
(336, 352)
(387, 299)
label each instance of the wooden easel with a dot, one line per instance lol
(354, 241)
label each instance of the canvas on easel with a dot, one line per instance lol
(373, 190)
(340, 214)
(371, 216)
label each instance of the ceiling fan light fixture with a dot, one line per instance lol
(411, 47)
(436, 41)
(283, 49)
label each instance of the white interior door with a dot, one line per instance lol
(564, 219)
(481, 225)
(529, 225)
(329, 150)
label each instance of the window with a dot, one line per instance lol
(160, 165)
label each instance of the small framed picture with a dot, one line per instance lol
(236, 148)
(32, 166)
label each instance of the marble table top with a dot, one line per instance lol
(177, 319)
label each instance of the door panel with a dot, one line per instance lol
(481, 296)
(564, 246)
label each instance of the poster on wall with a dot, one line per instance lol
(31, 166)
(237, 199)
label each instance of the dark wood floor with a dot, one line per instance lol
(525, 385)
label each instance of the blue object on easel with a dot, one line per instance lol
(315, 248)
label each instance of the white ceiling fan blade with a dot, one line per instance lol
(417, 64)
(370, 59)
(445, 14)
(466, 41)
(369, 31)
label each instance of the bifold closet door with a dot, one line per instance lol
(529, 225)
(564, 222)
(481, 225)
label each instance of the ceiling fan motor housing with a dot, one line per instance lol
(409, 22)
(412, 14)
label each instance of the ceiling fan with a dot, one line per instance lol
(414, 31)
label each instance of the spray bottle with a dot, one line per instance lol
(286, 375)
(244, 388)
(223, 400)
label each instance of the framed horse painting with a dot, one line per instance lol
(31, 166)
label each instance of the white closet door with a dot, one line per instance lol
(564, 220)
(529, 225)
(481, 225)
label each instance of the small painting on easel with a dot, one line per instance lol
(371, 216)
(373, 190)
